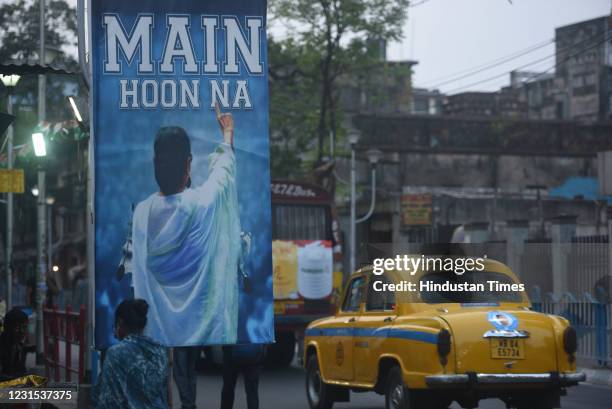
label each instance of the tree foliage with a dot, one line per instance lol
(20, 28)
(324, 41)
(20, 40)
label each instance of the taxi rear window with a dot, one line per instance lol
(459, 288)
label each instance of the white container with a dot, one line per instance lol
(315, 278)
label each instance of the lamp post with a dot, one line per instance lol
(353, 138)
(374, 156)
(50, 202)
(40, 150)
(9, 81)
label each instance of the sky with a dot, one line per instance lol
(451, 36)
(447, 37)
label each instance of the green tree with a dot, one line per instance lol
(326, 40)
(20, 39)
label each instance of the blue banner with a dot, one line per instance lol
(182, 184)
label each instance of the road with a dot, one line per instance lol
(284, 389)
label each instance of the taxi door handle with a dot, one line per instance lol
(388, 319)
(351, 320)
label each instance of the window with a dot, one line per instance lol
(295, 222)
(379, 300)
(352, 300)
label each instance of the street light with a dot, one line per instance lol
(75, 109)
(9, 81)
(374, 156)
(40, 146)
(40, 150)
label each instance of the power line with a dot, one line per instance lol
(536, 62)
(418, 3)
(503, 60)
(485, 64)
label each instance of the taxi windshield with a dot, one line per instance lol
(470, 288)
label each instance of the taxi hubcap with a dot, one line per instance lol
(397, 395)
(314, 385)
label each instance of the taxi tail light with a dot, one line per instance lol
(570, 341)
(444, 345)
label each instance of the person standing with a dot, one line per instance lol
(184, 374)
(245, 359)
(135, 371)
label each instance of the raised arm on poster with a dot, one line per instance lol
(198, 246)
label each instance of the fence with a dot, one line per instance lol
(64, 328)
(592, 321)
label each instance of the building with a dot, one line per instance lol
(442, 172)
(584, 69)
(426, 102)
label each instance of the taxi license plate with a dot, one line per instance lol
(507, 348)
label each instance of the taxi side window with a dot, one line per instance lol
(379, 300)
(352, 300)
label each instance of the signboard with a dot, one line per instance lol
(182, 184)
(302, 269)
(416, 209)
(12, 181)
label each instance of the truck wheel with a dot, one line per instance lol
(396, 393)
(319, 394)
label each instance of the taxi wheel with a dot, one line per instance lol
(320, 394)
(396, 393)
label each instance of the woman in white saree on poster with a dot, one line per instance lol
(186, 244)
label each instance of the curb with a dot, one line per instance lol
(598, 376)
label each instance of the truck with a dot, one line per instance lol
(307, 263)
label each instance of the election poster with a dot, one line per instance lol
(181, 154)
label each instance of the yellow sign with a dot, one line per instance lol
(12, 181)
(285, 269)
(416, 209)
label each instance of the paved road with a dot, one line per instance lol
(284, 389)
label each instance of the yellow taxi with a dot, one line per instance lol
(426, 348)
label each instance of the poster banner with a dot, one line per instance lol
(303, 269)
(182, 184)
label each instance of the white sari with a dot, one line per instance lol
(186, 249)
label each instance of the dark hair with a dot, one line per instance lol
(172, 150)
(133, 313)
(13, 318)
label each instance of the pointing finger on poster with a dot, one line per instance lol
(226, 122)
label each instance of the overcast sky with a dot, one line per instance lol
(450, 36)
(447, 37)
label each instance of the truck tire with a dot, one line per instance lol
(281, 353)
(396, 393)
(320, 395)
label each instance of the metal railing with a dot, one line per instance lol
(64, 329)
(592, 321)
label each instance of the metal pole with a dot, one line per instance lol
(42, 80)
(42, 263)
(49, 237)
(41, 282)
(372, 199)
(353, 213)
(9, 213)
